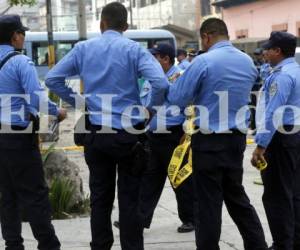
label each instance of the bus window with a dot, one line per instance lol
(62, 48)
(297, 55)
(154, 42)
(40, 53)
(144, 43)
(149, 43)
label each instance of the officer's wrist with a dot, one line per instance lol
(260, 147)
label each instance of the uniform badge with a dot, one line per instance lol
(273, 89)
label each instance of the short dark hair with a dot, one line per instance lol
(181, 52)
(115, 14)
(5, 37)
(172, 59)
(214, 26)
(288, 52)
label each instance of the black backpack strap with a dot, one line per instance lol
(10, 55)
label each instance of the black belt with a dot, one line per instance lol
(12, 127)
(233, 132)
(95, 128)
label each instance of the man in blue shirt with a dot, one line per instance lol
(162, 145)
(22, 184)
(278, 142)
(110, 66)
(265, 69)
(183, 62)
(218, 83)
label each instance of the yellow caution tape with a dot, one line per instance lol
(250, 141)
(184, 172)
(261, 165)
(176, 162)
(176, 173)
(69, 148)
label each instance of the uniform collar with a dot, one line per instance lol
(112, 32)
(172, 71)
(5, 49)
(184, 60)
(284, 62)
(220, 44)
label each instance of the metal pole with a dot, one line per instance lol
(131, 14)
(82, 20)
(81, 29)
(51, 62)
(160, 16)
(51, 50)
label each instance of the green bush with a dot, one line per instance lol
(60, 196)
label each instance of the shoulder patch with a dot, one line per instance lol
(273, 89)
(274, 70)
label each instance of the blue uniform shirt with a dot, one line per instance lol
(282, 88)
(109, 64)
(265, 71)
(18, 77)
(223, 69)
(184, 64)
(169, 119)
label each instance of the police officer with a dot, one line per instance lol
(258, 62)
(183, 62)
(162, 144)
(111, 65)
(265, 69)
(22, 185)
(219, 144)
(278, 142)
(192, 54)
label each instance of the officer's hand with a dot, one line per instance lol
(150, 115)
(258, 156)
(182, 139)
(62, 114)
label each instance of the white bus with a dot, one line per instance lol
(36, 44)
(298, 55)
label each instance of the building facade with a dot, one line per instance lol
(258, 18)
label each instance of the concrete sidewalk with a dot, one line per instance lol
(75, 234)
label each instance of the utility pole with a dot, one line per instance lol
(131, 14)
(53, 126)
(51, 50)
(82, 20)
(81, 29)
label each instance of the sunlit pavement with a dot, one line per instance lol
(75, 233)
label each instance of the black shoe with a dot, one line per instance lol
(117, 224)
(186, 228)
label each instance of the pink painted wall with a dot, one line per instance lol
(258, 17)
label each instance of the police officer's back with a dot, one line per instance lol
(218, 83)
(110, 65)
(162, 145)
(278, 141)
(22, 185)
(183, 62)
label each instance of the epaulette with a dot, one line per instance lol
(274, 70)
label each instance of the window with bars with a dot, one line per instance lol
(205, 7)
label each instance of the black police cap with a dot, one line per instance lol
(181, 52)
(11, 23)
(163, 48)
(258, 51)
(282, 40)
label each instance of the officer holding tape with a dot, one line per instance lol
(22, 184)
(218, 146)
(278, 142)
(162, 144)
